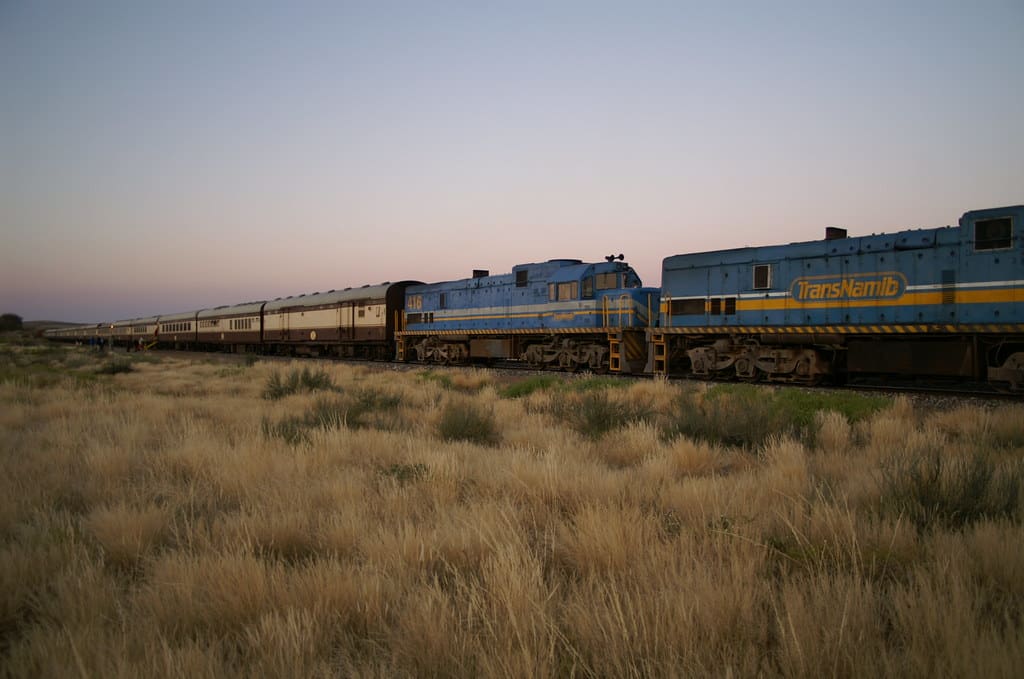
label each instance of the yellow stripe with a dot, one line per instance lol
(850, 329)
(930, 298)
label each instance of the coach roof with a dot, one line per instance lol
(364, 294)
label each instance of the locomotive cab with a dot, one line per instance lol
(987, 290)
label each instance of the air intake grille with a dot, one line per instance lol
(949, 286)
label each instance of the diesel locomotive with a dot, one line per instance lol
(942, 303)
(932, 303)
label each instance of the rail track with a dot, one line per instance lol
(943, 395)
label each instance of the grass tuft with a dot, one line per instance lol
(405, 474)
(466, 421)
(115, 367)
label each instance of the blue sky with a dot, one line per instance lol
(159, 157)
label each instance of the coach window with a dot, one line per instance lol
(567, 291)
(762, 276)
(992, 234)
(522, 278)
(442, 302)
(552, 295)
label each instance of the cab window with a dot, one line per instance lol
(992, 234)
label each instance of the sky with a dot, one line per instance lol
(158, 157)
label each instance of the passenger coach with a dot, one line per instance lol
(354, 322)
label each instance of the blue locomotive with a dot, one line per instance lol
(561, 313)
(945, 302)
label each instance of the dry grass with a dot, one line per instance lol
(161, 522)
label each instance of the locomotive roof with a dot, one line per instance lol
(553, 271)
(573, 273)
(902, 240)
(908, 239)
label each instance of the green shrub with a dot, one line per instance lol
(114, 367)
(443, 379)
(333, 412)
(293, 430)
(594, 414)
(731, 419)
(585, 384)
(932, 490)
(297, 380)
(745, 414)
(328, 413)
(529, 385)
(466, 421)
(799, 406)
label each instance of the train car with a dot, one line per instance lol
(142, 332)
(89, 333)
(104, 333)
(177, 331)
(237, 328)
(562, 313)
(121, 333)
(938, 303)
(353, 323)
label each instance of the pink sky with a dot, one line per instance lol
(164, 157)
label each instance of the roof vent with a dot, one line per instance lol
(834, 233)
(480, 273)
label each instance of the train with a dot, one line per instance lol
(936, 304)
